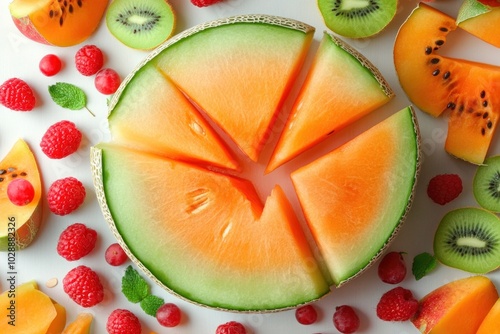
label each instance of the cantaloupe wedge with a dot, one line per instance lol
(356, 197)
(484, 26)
(243, 74)
(19, 224)
(456, 307)
(59, 322)
(330, 99)
(142, 121)
(26, 309)
(205, 235)
(491, 323)
(81, 325)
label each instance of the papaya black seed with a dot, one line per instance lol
(461, 108)
(489, 124)
(2, 171)
(485, 115)
(439, 42)
(434, 60)
(485, 104)
(1, 179)
(428, 50)
(436, 72)
(14, 175)
(446, 75)
(24, 174)
(483, 131)
(444, 29)
(483, 94)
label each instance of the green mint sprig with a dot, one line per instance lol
(423, 264)
(69, 96)
(136, 290)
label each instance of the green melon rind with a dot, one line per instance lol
(249, 18)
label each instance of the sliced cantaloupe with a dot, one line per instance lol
(484, 26)
(163, 121)
(330, 99)
(491, 323)
(456, 307)
(243, 73)
(205, 235)
(24, 220)
(57, 325)
(355, 197)
(466, 91)
(25, 309)
(81, 325)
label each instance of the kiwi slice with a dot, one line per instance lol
(357, 18)
(486, 184)
(140, 24)
(469, 239)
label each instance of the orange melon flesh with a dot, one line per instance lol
(204, 235)
(47, 22)
(484, 26)
(19, 162)
(239, 73)
(163, 121)
(456, 307)
(330, 99)
(356, 197)
(467, 91)
(33, 311)
(491, 323)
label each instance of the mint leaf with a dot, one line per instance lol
(423, 264)
(151, 303)
(68, 96)
(470, 9)
(134, 287)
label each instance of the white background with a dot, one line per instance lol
(19, 57)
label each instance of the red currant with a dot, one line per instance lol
(107, 81)
(392, 268)
(345, 319)
(169, 315)
(50, 65)
(306, 315)
(20, 192)
(115, 255)
(231, 327)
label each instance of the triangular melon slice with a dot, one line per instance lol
(239, 73)
(341, 87)
(205, 235)
(355, 197)
(468, 92)
(150, 113)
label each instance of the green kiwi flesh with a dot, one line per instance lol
(357, 18)
(486, 184)
(140, 24)
(469, 239)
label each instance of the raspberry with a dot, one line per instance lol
(397, 304)
(50, 65)
(17, 95)
(392, 268)
(345, 319)
(89, 59)
(444, 188)
(231, 327)
(20, 192)
(306, 315)
(204, 3)
(122, 321)
(65, 195)
(115, 255)
(76, 241)
(83, 286)
(61, 139)
(169, 315)
(107, 81)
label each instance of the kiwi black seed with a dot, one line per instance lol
(486, 184)
(139, 24)
(469, 239)
(356, 19)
